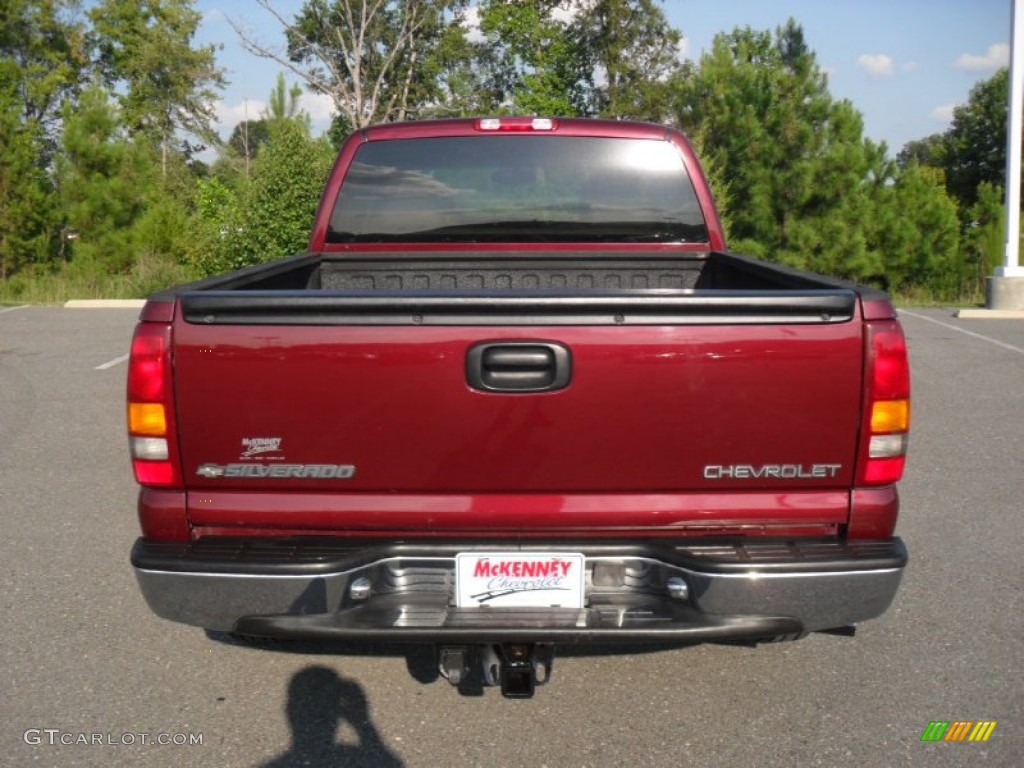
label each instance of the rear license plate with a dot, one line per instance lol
(521, 580)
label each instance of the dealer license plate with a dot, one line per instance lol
(520, 579)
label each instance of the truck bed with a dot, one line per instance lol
(528, 289)
(491, 270)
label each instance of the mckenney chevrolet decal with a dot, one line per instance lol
(258, 446)
(519, 579)
(279, 471)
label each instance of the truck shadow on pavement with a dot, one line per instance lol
(320, 704)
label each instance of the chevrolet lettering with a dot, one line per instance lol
(772, 471)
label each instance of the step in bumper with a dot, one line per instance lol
(303, 588)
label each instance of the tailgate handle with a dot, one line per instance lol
(518, 366)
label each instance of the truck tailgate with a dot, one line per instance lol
(647, 409)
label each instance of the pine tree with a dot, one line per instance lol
(795, 161)
(104, 181)
(914, 228)
(25, 191)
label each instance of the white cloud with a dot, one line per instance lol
(944, 114)
(996, 56)
(683, 49)
(910, 66)
(319, 106)
(471, 23)
(877, 64)
(229, 115)
(214, 16)
(566, 13)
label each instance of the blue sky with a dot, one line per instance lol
(903, 63)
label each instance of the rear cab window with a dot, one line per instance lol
(479, 189)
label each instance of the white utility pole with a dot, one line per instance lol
(1013, 144)
(1006, 287)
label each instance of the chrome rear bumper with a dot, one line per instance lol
(303, 588)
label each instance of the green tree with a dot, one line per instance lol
(915, 226)
(166, 88)
(792, 155)
(215, 227)
(975, 150)
(103, 182)
(635, 54)
(240, 220)
(247, 138)
(610, 58)
(538, 60)
(284, 102)
(972, 151)
(451, 76)
(249, 135)
(288, 176)
(25, 191)
(45, 53)
(984, 237)
(42, 57)
(790, 150)
(929, 151)
(970, 158)
(370, 56)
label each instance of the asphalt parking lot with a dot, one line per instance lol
(84, 657)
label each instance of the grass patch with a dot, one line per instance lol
(922, 299)
(150, 274)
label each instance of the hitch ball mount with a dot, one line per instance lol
(517, 667)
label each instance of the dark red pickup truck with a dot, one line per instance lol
(518, 394)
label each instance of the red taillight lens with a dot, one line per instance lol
(883, 471)
(154, 473)
(886, 424)
(150, 426)
(890, 375)
(147, 364)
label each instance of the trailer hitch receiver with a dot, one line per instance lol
(518, 668)
(523, 667)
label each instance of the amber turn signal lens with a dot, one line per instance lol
(890, 416)
(147, 419)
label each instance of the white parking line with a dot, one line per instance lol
(111, 363)
(952, 327)
(5, 310)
